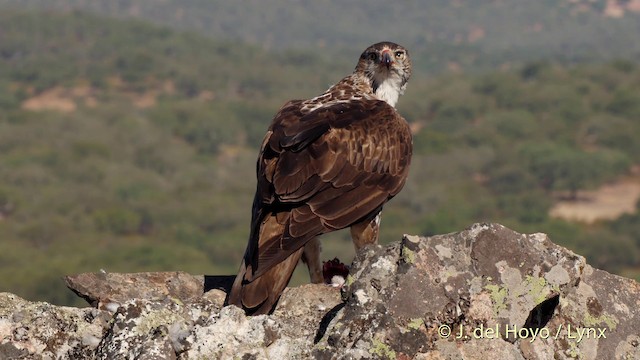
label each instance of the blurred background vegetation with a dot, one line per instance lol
(129, 129)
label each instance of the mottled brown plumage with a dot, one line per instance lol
(325, 164)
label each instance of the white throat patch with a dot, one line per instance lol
(389, 88)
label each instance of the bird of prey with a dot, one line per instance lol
(325, 164)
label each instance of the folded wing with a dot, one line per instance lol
(323, 171)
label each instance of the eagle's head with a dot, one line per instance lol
(387, 67)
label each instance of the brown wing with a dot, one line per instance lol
(324, 171)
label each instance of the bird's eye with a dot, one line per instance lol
(372, 56)
(399, 54)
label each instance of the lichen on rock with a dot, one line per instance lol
(486, 292)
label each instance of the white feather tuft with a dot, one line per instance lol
(390, 87)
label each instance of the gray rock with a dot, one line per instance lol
(484, 293)
(105, 290)
(152, 329)
(38, 330)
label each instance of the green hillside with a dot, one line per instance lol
(467, 34)
(130, 147)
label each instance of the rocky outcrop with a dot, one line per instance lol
(483, 293)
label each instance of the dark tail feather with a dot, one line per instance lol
(261, 295)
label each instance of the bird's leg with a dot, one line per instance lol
(311, 256)
(366, 232)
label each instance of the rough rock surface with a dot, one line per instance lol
(484, 293)
(103, 290)
(35, 330)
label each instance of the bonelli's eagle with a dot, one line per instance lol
(325, 164)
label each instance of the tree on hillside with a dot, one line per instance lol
(560, 167)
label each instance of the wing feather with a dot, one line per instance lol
(326, 170)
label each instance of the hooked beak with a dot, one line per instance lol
(386, 59)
